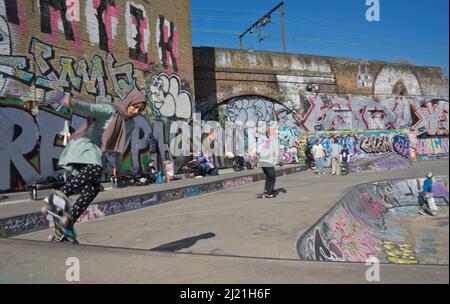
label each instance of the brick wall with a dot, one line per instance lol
(221, 74)
(98, 50)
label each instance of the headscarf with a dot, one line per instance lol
(114, 137)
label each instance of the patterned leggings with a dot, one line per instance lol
(87, 183)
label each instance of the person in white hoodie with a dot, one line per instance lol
(268, 150)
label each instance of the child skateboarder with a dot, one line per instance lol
(345, 159)
(428, 203)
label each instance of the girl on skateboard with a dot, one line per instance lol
(108, 129)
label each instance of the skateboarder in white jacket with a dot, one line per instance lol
(268, 151)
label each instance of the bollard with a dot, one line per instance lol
(114, 178)
(34, 193)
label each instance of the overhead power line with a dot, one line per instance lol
(263, 21)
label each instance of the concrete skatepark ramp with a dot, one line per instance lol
(389, 162)
(381, 219)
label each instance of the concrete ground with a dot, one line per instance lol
(19, 203)
(223, 237)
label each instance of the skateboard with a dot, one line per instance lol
(275, 192)
(57, 206)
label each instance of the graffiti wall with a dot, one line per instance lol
(381, 220)
(351, 113)
(430, 147)
(366, 144)
(98, 50)
(331, 113)
(255, 111)
(367, 126)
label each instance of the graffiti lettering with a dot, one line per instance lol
(401, 146)
(95, 82)
(375, 144)
(106, 14)
(52, 13)
(432, 147)
(432, 117)
(167, 98)
(138, 33)
(167, 36)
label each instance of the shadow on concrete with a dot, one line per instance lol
(183, 243)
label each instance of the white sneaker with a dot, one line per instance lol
(333, 173)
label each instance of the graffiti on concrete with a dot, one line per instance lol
(237, 182)
(330, 113)
(399, 253)
(289, 143)
(255, 111)
(375, 144)
(368, 221)
(258, 111)
(432, 117)
(23, 224)
(327, 113)
(91, 213)
(401, 146)
(391, 162)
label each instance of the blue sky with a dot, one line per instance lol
(413, 30)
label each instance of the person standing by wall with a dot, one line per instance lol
(319, 154)
(345, 159)
(335, 155)
(268, 151)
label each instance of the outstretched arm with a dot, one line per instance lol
(87, 109)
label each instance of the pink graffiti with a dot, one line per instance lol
(372, 207)
(110, 13)
(53, 38)
(22, 28)
(432, 146)
(91, 213)
(143, 27)
(353, 238)
(166, 30)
